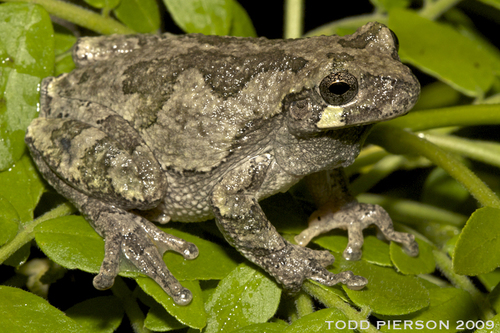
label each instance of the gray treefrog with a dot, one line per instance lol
(192, 127)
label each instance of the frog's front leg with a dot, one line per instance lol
(338, 209)
(104, 178)
(244, 225)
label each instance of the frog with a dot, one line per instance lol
(155, 128)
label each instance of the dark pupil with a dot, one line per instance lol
(338, 88)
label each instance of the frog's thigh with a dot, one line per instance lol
(107, 168)
(341, 211)
(140, 241)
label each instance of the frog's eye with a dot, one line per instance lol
(338, 88)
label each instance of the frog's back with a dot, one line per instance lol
(193, 98)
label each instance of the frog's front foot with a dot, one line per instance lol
(293, 264)
(143, 244)
(355, 217)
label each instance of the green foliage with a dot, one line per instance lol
(437, 57)
(477, 249)
(245, 296)
(21, 311)
(27, 56)
(140, 15)
(433, 144)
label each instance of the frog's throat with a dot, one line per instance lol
(333, 116)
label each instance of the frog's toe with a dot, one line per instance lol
(352, 253)
(110, 264)
(411, 248)
(166, 242)
(354, 282)
(103, 281)
(184, 297)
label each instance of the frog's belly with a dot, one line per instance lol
(189, 201)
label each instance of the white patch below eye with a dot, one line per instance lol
(331, 117)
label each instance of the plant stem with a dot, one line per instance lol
(434, 9)
(81, 16)
(409, 143)
(27, 233)
(294, 18)
(333, 301)
(468, 115)
(304, 304)
(483, 151)
(130, 305)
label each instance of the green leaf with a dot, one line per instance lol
(241, 24)
(99, 315)
(192, 315)
(387, 292)
(140, 15)
(374, 250)
(439, 50)
(21, 311)
(263, 328)
(158, 319)
(26, 56)
(9, 221)
(22, 186)
(71, 242)
(491, 326)
(490, 280)
(318, 322)
(448, 305)
(64, 41)
(494, 298)
(386, 5)
(437, 95)
(64, 64)
(493, 3)
(478, 247)
(19, 257)
(246, 296)
(422, 264)
(108, 4)
(333, 291)
(209, 17)
(213, 263)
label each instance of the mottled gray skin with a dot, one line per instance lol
(194, 127)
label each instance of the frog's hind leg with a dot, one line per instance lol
(104, 178)
(245, 226)
(339, 210)
(117, 168)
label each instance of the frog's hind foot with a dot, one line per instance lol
(355, 217)
(292, 264)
